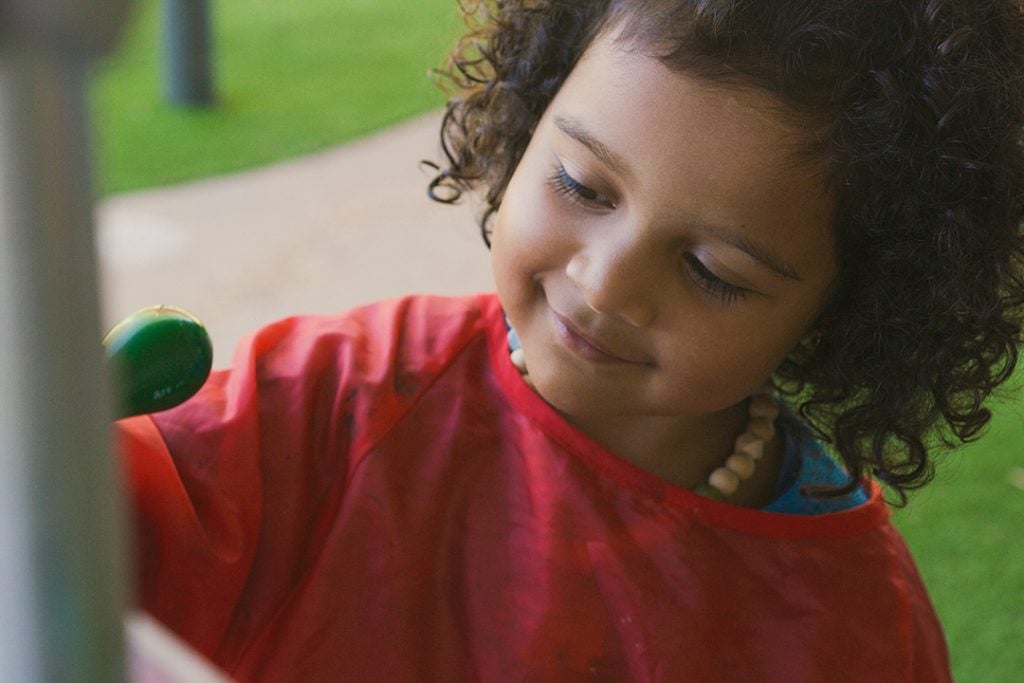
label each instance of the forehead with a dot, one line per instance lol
(638, 97)
(694, 148)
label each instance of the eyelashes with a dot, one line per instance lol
(567, 186)
(711, 283)
(578, 193)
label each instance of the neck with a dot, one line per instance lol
(680, 450)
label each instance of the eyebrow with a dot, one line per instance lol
(575, 129)
(755, 251)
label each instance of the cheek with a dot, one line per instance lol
(721, 365)
(529, 234)
(710, 371)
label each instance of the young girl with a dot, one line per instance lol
(726, 235)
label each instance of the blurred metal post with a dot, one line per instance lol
(188, 74)
(62, 579)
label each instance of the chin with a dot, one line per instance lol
(586, 404)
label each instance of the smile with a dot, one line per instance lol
(586, 347)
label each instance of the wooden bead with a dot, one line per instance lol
(742, 464)
(762, 428)
(725, 480)
(763, 406)
(750, 444)
(519, 360)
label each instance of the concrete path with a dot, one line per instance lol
(318, 234)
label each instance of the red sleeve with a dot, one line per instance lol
(930, 653)
(225, 483)
(235, 490)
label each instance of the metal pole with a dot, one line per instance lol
(188, 75)
(62, 579)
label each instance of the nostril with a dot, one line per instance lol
(614, 291)
(580, 274)
(576, 270)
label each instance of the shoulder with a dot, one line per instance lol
(406, 330)
(360, 369)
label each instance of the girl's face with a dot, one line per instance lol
(659, 250)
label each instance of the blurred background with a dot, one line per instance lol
(252, 207)
(298, 190)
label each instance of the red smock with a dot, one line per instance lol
(378, 496)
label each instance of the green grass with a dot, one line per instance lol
(291, 78)
(966, 531)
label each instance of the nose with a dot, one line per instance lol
(615, 280)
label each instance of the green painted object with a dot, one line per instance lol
(159, 356)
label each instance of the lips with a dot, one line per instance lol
(589, 347)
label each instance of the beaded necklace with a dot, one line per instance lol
(747, 450)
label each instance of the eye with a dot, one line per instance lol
(711, 283)
(566, 185)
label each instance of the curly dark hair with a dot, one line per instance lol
(918, 110)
